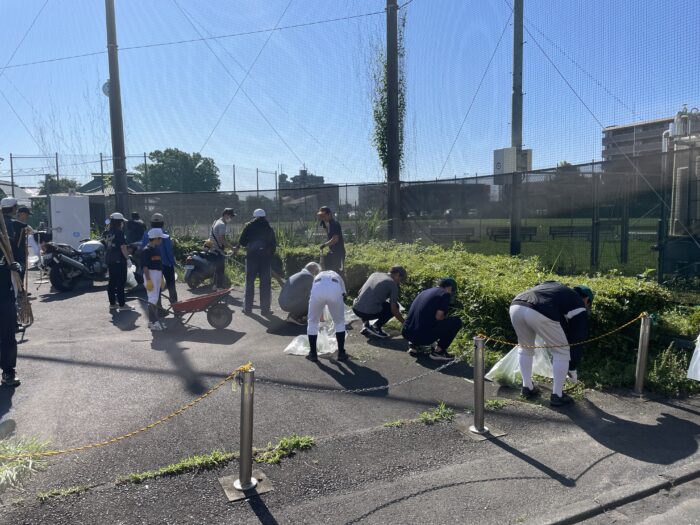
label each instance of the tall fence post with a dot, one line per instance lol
(478, 426)
(12, 175)
(642, 354)
(245, 480)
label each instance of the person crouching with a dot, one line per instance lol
(152, 264)
(328, 289)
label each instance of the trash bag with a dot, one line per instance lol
(130, 278)
(694, 369)
(506, 372)
(326, 343)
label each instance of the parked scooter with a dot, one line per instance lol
(200, 267)
(67, 265)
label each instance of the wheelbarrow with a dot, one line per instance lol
(219, 315)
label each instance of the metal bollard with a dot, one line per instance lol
(245, 480)
(642, 354)
(478, 426)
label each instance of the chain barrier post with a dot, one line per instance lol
(642, 354)
(245, 480)
(478, 426)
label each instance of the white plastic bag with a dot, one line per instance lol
(506, 372)
(326, 343)
(130, 279)
(694, 369)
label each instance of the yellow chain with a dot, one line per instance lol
(243, 368)
(622, 327)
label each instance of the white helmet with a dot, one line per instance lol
(116, 216)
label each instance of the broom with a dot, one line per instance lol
(24, 309)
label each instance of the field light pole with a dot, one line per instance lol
(516, 129)
(115, 113)
(393, 176)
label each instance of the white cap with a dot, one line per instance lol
(157, 233)
(259, 213)
(10, 202)
(116, 216)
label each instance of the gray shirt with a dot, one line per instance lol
(218, 229)
(296, 291)
(378, 288)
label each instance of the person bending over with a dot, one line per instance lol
(379, 299)
(328, 289)
(295, 293)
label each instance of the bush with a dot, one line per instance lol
(668, 376)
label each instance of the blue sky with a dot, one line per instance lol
(628, 60)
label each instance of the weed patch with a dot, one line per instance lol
(286, 447)
(61, 493)
(394, 424)
(495, 404)
(13, 472)
(440, 413)
(194, 463)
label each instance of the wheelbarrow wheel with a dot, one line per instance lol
(219, 316)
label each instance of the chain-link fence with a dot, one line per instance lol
(600, 216)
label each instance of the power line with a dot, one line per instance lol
(240, 84)
(21, 121)
(19, 44)
(201, 39)
(505, 27)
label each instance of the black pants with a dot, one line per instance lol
(334, 261)
(8, 343)
(258, 266)
(169, 275)
(382, 317)
(443, 332)
(117, 280)
(219, 270)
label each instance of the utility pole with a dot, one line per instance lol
(516, 128)
(115, 114)
(393, 176)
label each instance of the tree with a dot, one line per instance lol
(380, 105)
(175, 170)
(62, 185)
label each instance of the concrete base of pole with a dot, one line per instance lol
(233, 493)
(464, 425)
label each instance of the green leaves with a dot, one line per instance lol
(175, 170)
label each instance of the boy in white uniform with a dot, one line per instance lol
(153, 274)
(328, 289)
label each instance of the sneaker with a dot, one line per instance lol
(155, 327)
(529, 393)
(312, 357)
(266, 313)
(413, 350)
(162, 325)
(296, 320)
(438, 354)
(247, 312)
(113, 307)
(126, 308)
(343, 356)
(10, 379)
(370, 331)
(558, 401)
(379, 332)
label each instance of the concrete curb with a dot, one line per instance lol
(586, 509)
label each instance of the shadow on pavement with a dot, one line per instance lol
(176, 332)
(175, 352)
(548, 471)
(264, 515)
(352, 376)
(6, 394)
(125, 321)
(82, 287)
(670, 440)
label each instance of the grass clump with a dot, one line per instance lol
(440, 413)
(61, 493)
(286, 447)
(668, 373)
(495, 404)
(394, 424)
(13, 472)
(195, 463)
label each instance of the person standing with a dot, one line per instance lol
(295, 293)
(379, 299)
(151, 262)
(8, 322)
(427, 320)
(328, 289)
(167, 255)
(9, 210)
(559, 315)
(335, 258)
(258, 238)
(217, 239)
(117, 259)
(21, 239)
(135, 229)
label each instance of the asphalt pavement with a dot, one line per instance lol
(89, 375)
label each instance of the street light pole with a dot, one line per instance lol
(393, 177)
(115, 114)
(516, 131)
